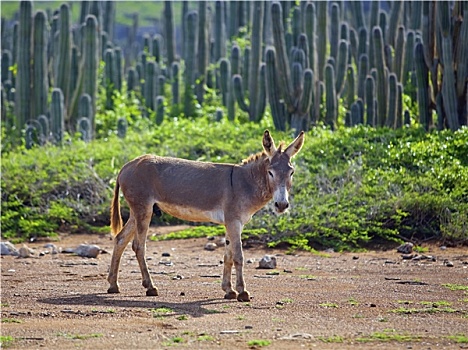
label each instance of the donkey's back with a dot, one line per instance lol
(189, 190)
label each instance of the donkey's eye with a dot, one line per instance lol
(270, 173)
(292, 173)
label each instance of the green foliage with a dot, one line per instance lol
(6, 341)
(351, 187)
(258, 343)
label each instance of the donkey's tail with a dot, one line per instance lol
(116, 218)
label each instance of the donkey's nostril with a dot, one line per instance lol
(281, 206)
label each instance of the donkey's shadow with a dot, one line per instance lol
(196, 308)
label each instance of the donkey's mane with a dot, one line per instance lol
(254, 157)
(261, 155)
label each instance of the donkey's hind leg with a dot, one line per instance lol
(139, 247)
(120, 242)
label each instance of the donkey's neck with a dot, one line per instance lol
(255, 168)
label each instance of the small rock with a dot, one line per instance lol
(52, 247)
(87, 250)
(211, 246)
(178, 277)
(407, 256)
(298, 336)
(250, 261)
(182, 294)
(406, 248)
(373, 305)
(248, 327)
(25, 252)
(166, 254)
(443, 247)
(355, 257)
(448, 263)
(267, 262)
(329, 250)
(8, 248)
(287, 271)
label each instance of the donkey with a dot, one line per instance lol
(226, 194)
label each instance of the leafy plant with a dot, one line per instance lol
(452, 286)
(6, 340)
(258, 343)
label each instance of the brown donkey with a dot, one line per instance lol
(226, 194)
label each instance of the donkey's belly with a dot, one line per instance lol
(193, 214)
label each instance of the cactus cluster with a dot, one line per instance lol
(310, 61)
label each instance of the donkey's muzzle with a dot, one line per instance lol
(281, 206)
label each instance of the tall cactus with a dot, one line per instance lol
(85, 110)
(322, 29)
(392, 101)
(400, 53)
(226, 87)
(381, 82)
(169, 32)
(369, 100)
(331, 101)
(64, 53)
(175, 78)
(40, 72)
(23, 75)
(6, 64)
(132, 80)
(190, 37)
(256, 84)
(151, 83)
(90, 64)
(395, 16)
(297, 86)
(203, 49)
(159, 108)
(423, 86)
(109, 58)
(274, 95)
(219, 32)
(109, 18)
(75, 66)
(334, 29)
(57, 116)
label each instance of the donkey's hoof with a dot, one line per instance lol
(244, 296)
(153, 292)
(113, 290)
(230, 295)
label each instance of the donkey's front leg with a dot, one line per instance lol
(233, 233)
(226, 285)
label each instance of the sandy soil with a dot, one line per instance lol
(373, 300)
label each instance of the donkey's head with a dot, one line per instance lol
(280, 169)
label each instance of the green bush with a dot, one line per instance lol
(352, 186)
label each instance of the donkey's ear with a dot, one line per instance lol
(268, 144)
(295, 146)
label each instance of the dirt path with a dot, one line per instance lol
(359, 301)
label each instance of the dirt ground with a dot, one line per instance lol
(372, 300)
